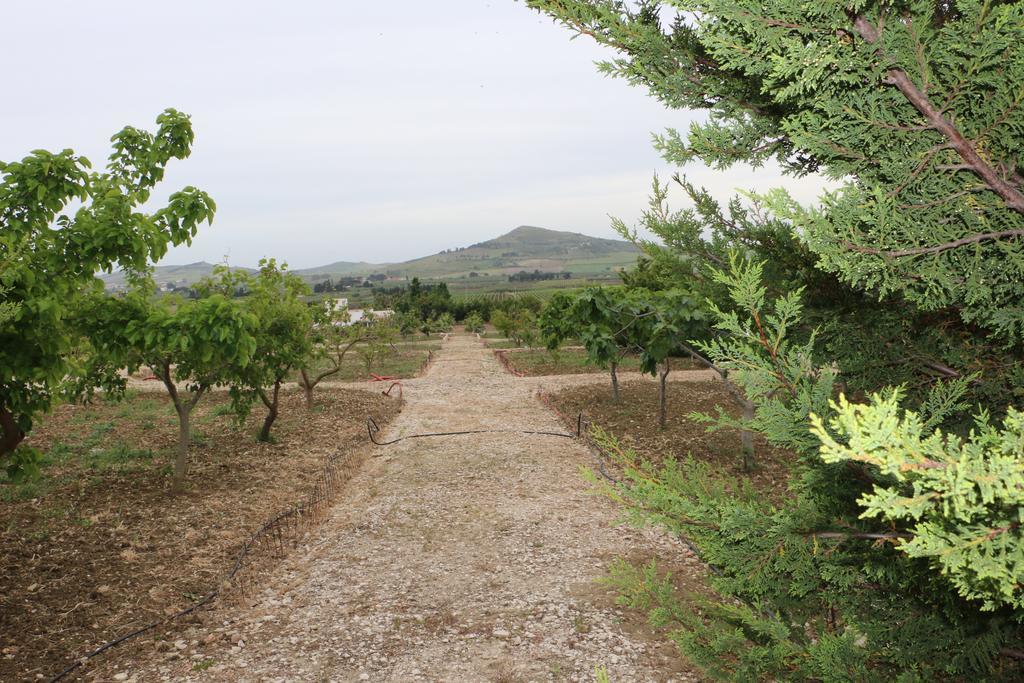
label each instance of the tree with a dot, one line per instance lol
(50, 255)
(474, 323)
(600, 317)
(663, 321)
(331, 337)
(887, 105)
(190, 345)
(378, 344)
(908, 274)
(282, 334)
(408, 323)
(518, 324)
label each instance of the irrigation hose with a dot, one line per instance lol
(372, 429)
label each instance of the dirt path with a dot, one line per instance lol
(468, 558)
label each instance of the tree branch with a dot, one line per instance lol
(842, 535)
(917, 251)
(898, 77)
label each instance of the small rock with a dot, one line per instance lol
(123, 676)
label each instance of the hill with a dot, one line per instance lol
(187, 274)
(524, 248)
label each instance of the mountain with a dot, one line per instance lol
(530, 241)
(525, 248)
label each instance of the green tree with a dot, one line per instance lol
(378, 343)
(331, 337)
(190, 345)
(282, 334)
(408, 323)
(600, 317)
(50, 253)
(474, 323)
(663, 322)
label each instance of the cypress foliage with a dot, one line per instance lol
(880, 334)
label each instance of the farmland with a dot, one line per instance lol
(772, 433)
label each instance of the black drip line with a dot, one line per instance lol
(372, 429)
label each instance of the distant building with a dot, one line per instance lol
(356, 315)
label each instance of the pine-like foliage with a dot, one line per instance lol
(915, 105)
(898, 555)
(963, 498)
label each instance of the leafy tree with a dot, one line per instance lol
(519, 325)
(190, 345)
(662, 320)
(614, 321)
(378, 344)
(883, 98)
(503, 323)
(424, 301)
(282, 334)
(50, 253)
(444, 322)
(408, 323)
(330, 338)
(600, 317)
(474, 323)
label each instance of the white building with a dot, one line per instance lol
(357, 314)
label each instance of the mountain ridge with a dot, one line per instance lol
(525, 247)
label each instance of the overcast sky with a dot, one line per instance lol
(340, 130)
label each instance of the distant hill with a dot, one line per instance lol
(171, 275)
(525, 248)
(527, 240)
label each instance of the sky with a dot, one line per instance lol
(350, 131)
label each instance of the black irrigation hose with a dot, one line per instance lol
(372, 429)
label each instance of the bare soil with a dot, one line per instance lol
(634, 421)
(99, 546)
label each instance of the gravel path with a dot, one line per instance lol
(467, 558)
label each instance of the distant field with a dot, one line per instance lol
(469, 287)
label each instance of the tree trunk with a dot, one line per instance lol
(307, 388)
(271, 404)
(184, 409)
(615, 383)
(12, 433)
(662, 408)
(747, 438)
